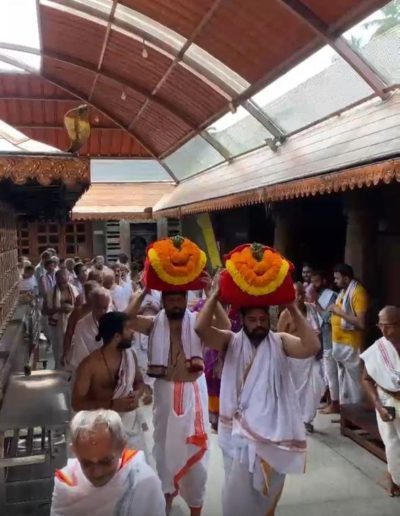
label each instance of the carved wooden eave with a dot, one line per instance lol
(45, 170)
(364, 176)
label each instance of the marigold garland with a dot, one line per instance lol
(257, 277)
(177, 262)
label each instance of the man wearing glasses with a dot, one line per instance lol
(381, 381)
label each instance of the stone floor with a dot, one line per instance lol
(341, 479)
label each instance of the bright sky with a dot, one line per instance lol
(300, 73)
(19, 25)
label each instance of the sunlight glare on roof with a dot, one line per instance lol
(149, 26)
(377, 40)
(297, 75)
(18, 29)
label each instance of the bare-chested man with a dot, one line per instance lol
(180, 396)
(109, 377)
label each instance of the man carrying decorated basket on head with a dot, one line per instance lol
(174, 266)
(260, 431)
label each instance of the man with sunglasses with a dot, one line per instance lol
(381, 381)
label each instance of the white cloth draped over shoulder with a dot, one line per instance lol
(84, 340)
(259, 406)
(134, 420)
(382, 362)
(134, 490)
(159, 340)
(345, 298)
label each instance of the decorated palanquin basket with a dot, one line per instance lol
(174, 264)
(256, 275)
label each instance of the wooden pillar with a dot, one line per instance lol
(125, 237)
(361, 231)
(285, 228)
(388, 245)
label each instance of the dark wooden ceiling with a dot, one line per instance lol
(149, 106)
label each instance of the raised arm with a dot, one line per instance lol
(220, 320)
(307, 344)
(211, 336)
(140, 323)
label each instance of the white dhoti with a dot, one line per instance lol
(180, 438)
(307, 378)
(56, 338)
(382, 362)
(331, 374)
(349, 368)
(133, 491)
(133, 421)
(260, 430)
(246, 494)
(390, 433)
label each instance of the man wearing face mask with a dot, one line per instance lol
(109, 378)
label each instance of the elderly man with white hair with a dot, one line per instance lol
(105, 478)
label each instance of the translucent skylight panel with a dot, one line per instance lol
(316, 88)
(6, 146)
(11, 134)
(147, 25)
(100, 5)
(239, 132)
(94, 17)
(217, 68)
(126, 171)
(25, 62)
(38, 147)
(194, 156)
(19, 26)
(377, 40)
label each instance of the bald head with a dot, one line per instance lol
(390, 314)
(108, 280)
(389, 323)
(99, 300)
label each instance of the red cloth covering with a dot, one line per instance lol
(232, 294)
(152, 281)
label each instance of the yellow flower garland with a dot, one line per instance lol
(258, 291)
(176, 280)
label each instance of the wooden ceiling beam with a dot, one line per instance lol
(127, 85)
(68, 89)
(104, 47)
(199, 71)
(28, 98)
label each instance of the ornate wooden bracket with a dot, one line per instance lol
(45, 170)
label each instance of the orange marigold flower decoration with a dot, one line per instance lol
(256, 275)
(176, 261)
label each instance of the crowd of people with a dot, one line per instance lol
(200, 362)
